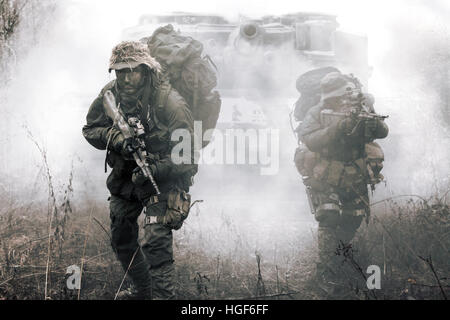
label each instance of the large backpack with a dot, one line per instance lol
(188, 72)
(308, 84)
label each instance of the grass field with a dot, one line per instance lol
(219, 258)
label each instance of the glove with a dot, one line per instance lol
(370, 128)
(346, 126)
(138, 177)
(127, 149)
(115, 139)
(118, 143)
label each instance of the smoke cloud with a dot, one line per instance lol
(56, 81)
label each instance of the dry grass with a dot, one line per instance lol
(410, 244)
(217, 258)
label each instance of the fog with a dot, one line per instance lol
(54, 84)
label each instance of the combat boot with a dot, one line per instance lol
(331, 286)
(331, 281)
(324, 282)
(141, 292)
(131, 293)
(138, 272)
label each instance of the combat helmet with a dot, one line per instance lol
(309, 82)
(130, 54)
(335, 84)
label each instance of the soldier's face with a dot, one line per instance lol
(337, 102)
(131, 80)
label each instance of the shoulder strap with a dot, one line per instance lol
(145, 101)
(159, 102)
(163, 94)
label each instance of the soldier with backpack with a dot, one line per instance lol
(144, 93)
(337, 158)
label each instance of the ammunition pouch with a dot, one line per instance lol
(169, 209)
(320, 172)
(340, 174)
(305, 160)
(375, 158)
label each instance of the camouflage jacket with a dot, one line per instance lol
(325, 139)
(167, 112)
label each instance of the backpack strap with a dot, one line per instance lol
(163, 94)
(196, 88)
(208, 58)
(160, 102)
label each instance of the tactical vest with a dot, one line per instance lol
(157, 138)
(322, 170)
(158, 143)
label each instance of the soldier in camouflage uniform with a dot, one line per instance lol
(141, 93)
(334, 163)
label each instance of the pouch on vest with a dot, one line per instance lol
(375, 158)
(299, 160)
(335, 171)
(178, 207)
(320, 170)
(169, 209)
(354, 174)
(305, 160)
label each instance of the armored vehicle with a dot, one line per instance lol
(258, 62)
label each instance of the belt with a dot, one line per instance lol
(151, 220)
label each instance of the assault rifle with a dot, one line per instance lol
(133, 131)
(358, 111)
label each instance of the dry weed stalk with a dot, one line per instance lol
(56, 221)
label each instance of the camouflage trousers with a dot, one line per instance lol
(149, 265)
(340, 214)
